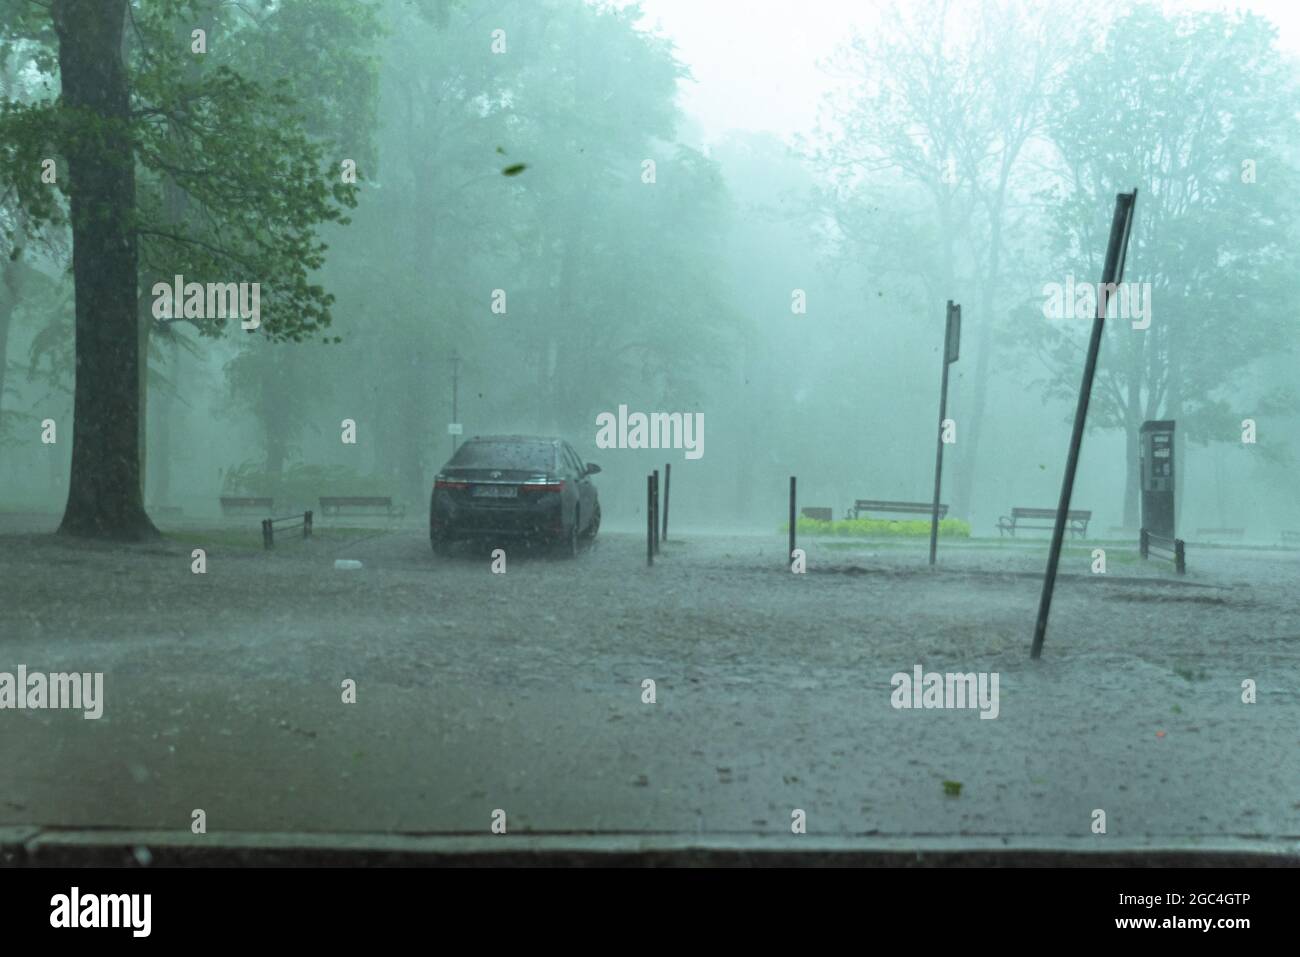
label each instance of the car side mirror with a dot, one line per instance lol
(592, 468)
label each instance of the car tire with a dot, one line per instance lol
(567, 547)
(590, 534)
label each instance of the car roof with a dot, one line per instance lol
(515, 438)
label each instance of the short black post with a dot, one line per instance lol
(790, 554)
(267, 534)
(306, 524)
(1180, 557)
(654, 523)
(668, 484)
(649, 520)
(1144, 543)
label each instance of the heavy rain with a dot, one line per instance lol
(357, 360)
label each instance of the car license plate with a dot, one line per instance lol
(496, 491)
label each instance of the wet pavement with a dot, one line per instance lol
(773, 697)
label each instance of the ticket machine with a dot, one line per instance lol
(1156, 468)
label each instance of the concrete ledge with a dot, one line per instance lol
(124, 848)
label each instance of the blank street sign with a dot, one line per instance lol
(953, 335)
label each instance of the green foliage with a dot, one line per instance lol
(579, 102)
(1175, 105)
(29, 134)
(238, 149)
(880, 528)
(239, 154)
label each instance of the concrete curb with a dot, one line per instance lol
(126, 848)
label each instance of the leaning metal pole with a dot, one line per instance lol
(954, 313)
(1113, 272)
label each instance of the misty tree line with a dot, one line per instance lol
(968, 152)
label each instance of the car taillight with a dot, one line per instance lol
(445, 484)
(542, 487)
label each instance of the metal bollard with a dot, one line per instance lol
(668, 484)
(649, 520)
(654, 524)
(790, 555)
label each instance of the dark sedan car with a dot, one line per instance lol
(500, 487)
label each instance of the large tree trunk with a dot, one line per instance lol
(960, 458)
(165, 406)
(964, 484)
(8, 305)
(1132, 483)
(175, 204)
(964, 490)
(1174, 403)
(1132, 437)
(104, 488)
(144, 326)
(271, 412)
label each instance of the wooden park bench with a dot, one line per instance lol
(1221, 533)
(818, 514)
(242, 504)
(1020, 517)
(366, 504)
(877, 505)
(1290, 536)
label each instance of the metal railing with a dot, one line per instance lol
(1176, 549)
(302, 521)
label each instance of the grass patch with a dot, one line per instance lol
(234, 538)
(878, 528)
(250, 539)
(859, 546)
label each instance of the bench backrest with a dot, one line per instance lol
(873, 505)
(1074, 514)
(377, 501)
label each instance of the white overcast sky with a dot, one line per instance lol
(755, 61)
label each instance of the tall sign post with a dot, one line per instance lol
(1121, 225)
(951, 348)
(454, 427)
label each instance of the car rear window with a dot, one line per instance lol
(506, 455)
